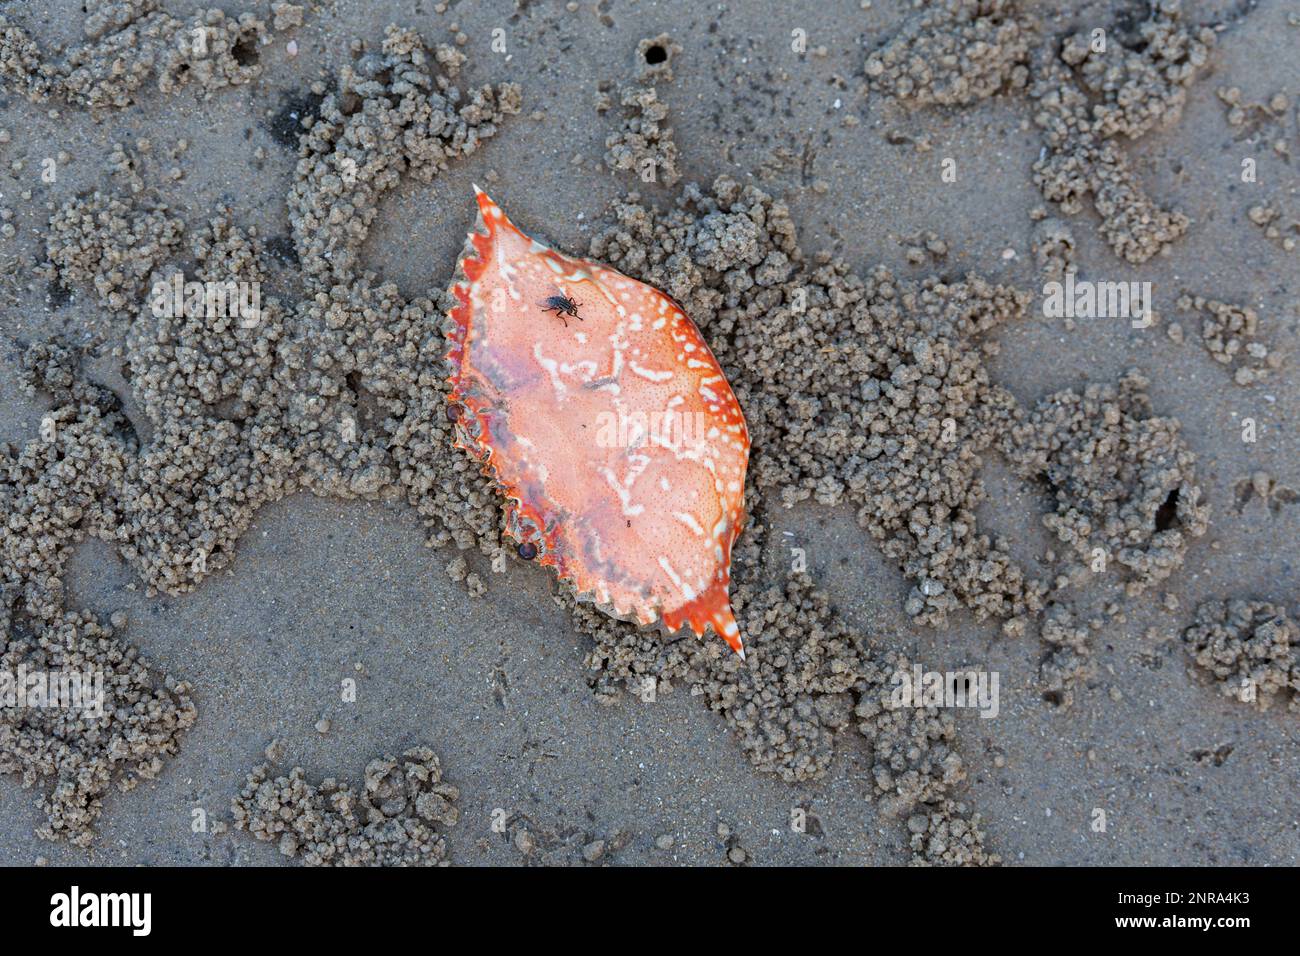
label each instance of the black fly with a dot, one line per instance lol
(562, 305)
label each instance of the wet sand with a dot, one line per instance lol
(505, 687)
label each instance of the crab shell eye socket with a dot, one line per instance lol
(528, 551)
(454, 412)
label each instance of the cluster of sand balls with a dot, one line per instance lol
(1250, 648)
(1089, 92)
(1229, 333)
(338, 393)
(954, 53)
(131, 42)
(52, 493)
(398, 818)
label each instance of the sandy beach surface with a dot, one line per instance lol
(355, 600)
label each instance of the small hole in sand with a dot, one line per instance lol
(655, 54)
(1167, 513)
(245, 51)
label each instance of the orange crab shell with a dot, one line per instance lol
(613, 433)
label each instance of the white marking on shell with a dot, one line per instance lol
(672, 575)
(552, 369)
(624, 494)
(649, 373)
(690, 522)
